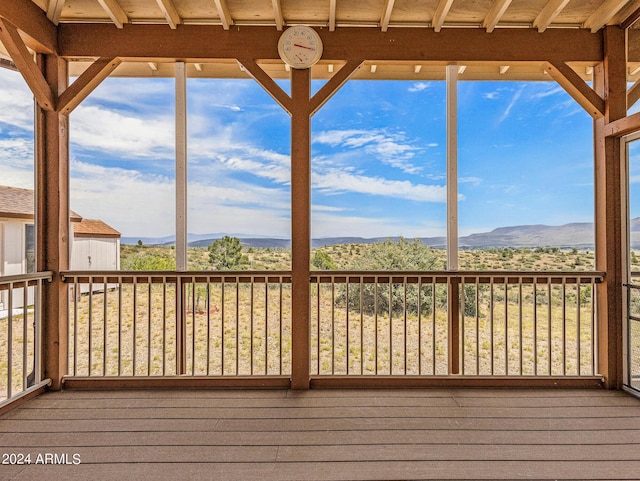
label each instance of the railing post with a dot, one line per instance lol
(301, 228)
(454, 324)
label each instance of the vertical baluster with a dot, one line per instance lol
(375, 313)
(361, 325)
(347, 321)
(266, 325)
(564, 330)
(404, 352)
(90, 322)
(420, 326)
(477, 320)
(135, 323)
(104, 327)
(10, 342)
(491, 320)
(520, 321)
(506, 326)
(463, 334)
(549, 316)
(237, 280)
(333, 325)
(164, 325)
(251, 326)
(535, 326)
(25, 335)
(390, 326)
(222, 315)
(120, 287)
(433, 324)
(149, 328)
(578, 336)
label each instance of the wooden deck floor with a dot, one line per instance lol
(325, 435)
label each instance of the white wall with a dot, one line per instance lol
(13, 259)
(88, 254)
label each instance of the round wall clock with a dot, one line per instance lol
(300, 47)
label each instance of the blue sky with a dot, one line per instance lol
(378, 169)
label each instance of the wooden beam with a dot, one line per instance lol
(548, 14)
(53, 231)
(32, 21)
(118, 16)
(332, 15)
(441, 14)
(194, 43)
(495, 14)
(576, 87)
(624, 126)
(170, 12)
(277, 14)
(54, 10)
(223, 12)
(267, 83)
(633, 94)
(605, 12)
(334, 84)
(86, 83)
(610, 82)
(300, 227)
(24, 61)
(631, 19)
(386, 14)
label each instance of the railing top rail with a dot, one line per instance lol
(46, 276)
(173, 276)
(332, 276)
(466, 276)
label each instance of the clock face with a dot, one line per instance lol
(300, 47)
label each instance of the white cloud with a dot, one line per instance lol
(389, 148)
(16, 101)
(94, 127)
(419, 87)
(514, 99)
(338, 181)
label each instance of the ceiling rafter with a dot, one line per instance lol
(277, 14)
(442, 10)
(386, 14)
(115, 12)
(332, 15)
(603, 14)
(170, 12)
(54, 10)
(223, 12)
(495, 14)
(548, 14)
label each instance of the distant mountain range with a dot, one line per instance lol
(575, 235)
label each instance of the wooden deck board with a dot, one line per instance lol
(328, 435)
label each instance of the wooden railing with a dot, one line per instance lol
(362, 324)
(21, 334)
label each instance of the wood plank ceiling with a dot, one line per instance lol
(384, 15)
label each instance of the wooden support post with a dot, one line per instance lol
(610, 84)
(52, 219)
(300, 226)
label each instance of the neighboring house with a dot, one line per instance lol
(94, 244)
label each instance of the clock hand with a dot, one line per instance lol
(303, 46)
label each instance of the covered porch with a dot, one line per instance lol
(123, 381)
